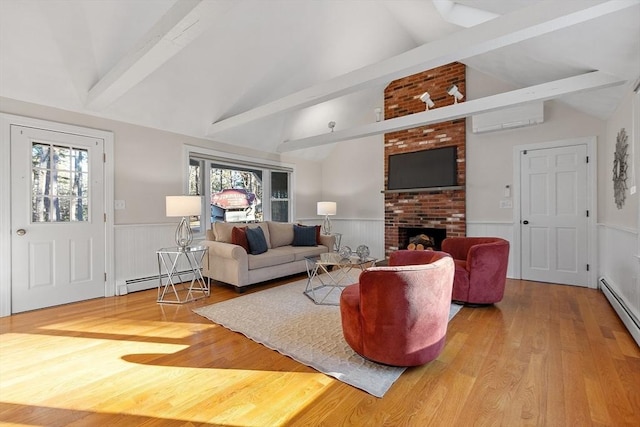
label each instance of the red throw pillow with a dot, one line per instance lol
(239, 237)
(318, 227)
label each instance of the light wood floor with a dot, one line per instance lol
(547, 355)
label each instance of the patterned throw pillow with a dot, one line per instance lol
(304, 236)
(257, 241)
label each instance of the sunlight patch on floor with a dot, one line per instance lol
(115, 384)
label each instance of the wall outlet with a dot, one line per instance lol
(119, 205)
(506, 204)
(632, 190)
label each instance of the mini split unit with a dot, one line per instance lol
(509, 118)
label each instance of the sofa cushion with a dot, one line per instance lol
(276, 256)
(280, 233)
(304, 236)
(239, 237)
(222, 231)
(257, 241)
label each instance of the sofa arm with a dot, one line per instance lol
(327, 240)
(227, 263)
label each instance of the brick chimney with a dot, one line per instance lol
(443, 211)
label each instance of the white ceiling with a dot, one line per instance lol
(243, 54)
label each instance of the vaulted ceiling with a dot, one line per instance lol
(257, 73)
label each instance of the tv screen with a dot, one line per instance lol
(423, 169)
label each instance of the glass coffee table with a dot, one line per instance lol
(329, 273)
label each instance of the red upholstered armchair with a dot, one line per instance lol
(398, 314)
(481, 268)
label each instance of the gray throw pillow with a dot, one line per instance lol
(257, 241)
(304, 236)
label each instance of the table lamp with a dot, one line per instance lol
(326, 209)
(183, 206)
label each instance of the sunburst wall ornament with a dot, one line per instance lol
(620, 168)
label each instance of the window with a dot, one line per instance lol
(59, 183)
(238, 191)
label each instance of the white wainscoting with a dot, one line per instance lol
(136, 262)
(619, 266)
(357, 232)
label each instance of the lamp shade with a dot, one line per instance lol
(326, 208)
(183, 205)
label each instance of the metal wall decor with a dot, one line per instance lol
(620, 168)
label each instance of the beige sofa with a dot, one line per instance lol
(230, 263)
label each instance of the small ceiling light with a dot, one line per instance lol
(378, 112)
(331, 125)
(426, 98)
(453, 91)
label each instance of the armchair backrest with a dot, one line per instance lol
(460, 247)
(406, 257)
(403, 305)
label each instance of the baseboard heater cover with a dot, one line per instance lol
(620, 306)
(128, 286)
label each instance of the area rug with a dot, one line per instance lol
(284, 319)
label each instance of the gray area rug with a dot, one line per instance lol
(284, 319)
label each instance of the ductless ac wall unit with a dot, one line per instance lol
(509, 118)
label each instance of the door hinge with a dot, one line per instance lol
(587, 159)
(524, 152)
(105, 276)
(587, 213)
(587, 267)
(105, 217)
(104, 157)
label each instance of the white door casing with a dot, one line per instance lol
(554, 211)
(75, 250)
(57, 218)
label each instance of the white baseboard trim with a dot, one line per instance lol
(621, 308)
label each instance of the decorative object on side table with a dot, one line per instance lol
(345, 252)
(363, 252)
(326, 209)
(183, 206)
(620, 168)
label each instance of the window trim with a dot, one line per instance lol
(240, 161)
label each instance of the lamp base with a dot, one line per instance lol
(326, 226)
(184, 235)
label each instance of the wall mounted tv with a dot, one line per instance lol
(423, 169)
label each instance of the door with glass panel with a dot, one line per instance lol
(57, 218)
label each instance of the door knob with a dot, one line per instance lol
(21, 232)
(525, 222)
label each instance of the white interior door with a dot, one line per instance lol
(554, 225)
(57, 218)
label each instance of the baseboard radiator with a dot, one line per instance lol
(128, 286)
(620, 306)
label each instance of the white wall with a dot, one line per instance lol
(148, 166)
(149, 163)
(490, 155)
(619, 229)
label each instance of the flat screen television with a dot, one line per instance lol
(437, 167)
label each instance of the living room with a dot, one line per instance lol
(149, 163)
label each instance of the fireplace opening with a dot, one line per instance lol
(407, 235)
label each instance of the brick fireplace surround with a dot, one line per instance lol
(408, 213)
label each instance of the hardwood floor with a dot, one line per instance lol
(547, 355)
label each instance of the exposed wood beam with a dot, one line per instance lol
(530, 22)
(182, 24)
(584, 82)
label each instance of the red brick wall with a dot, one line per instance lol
(440, 209)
